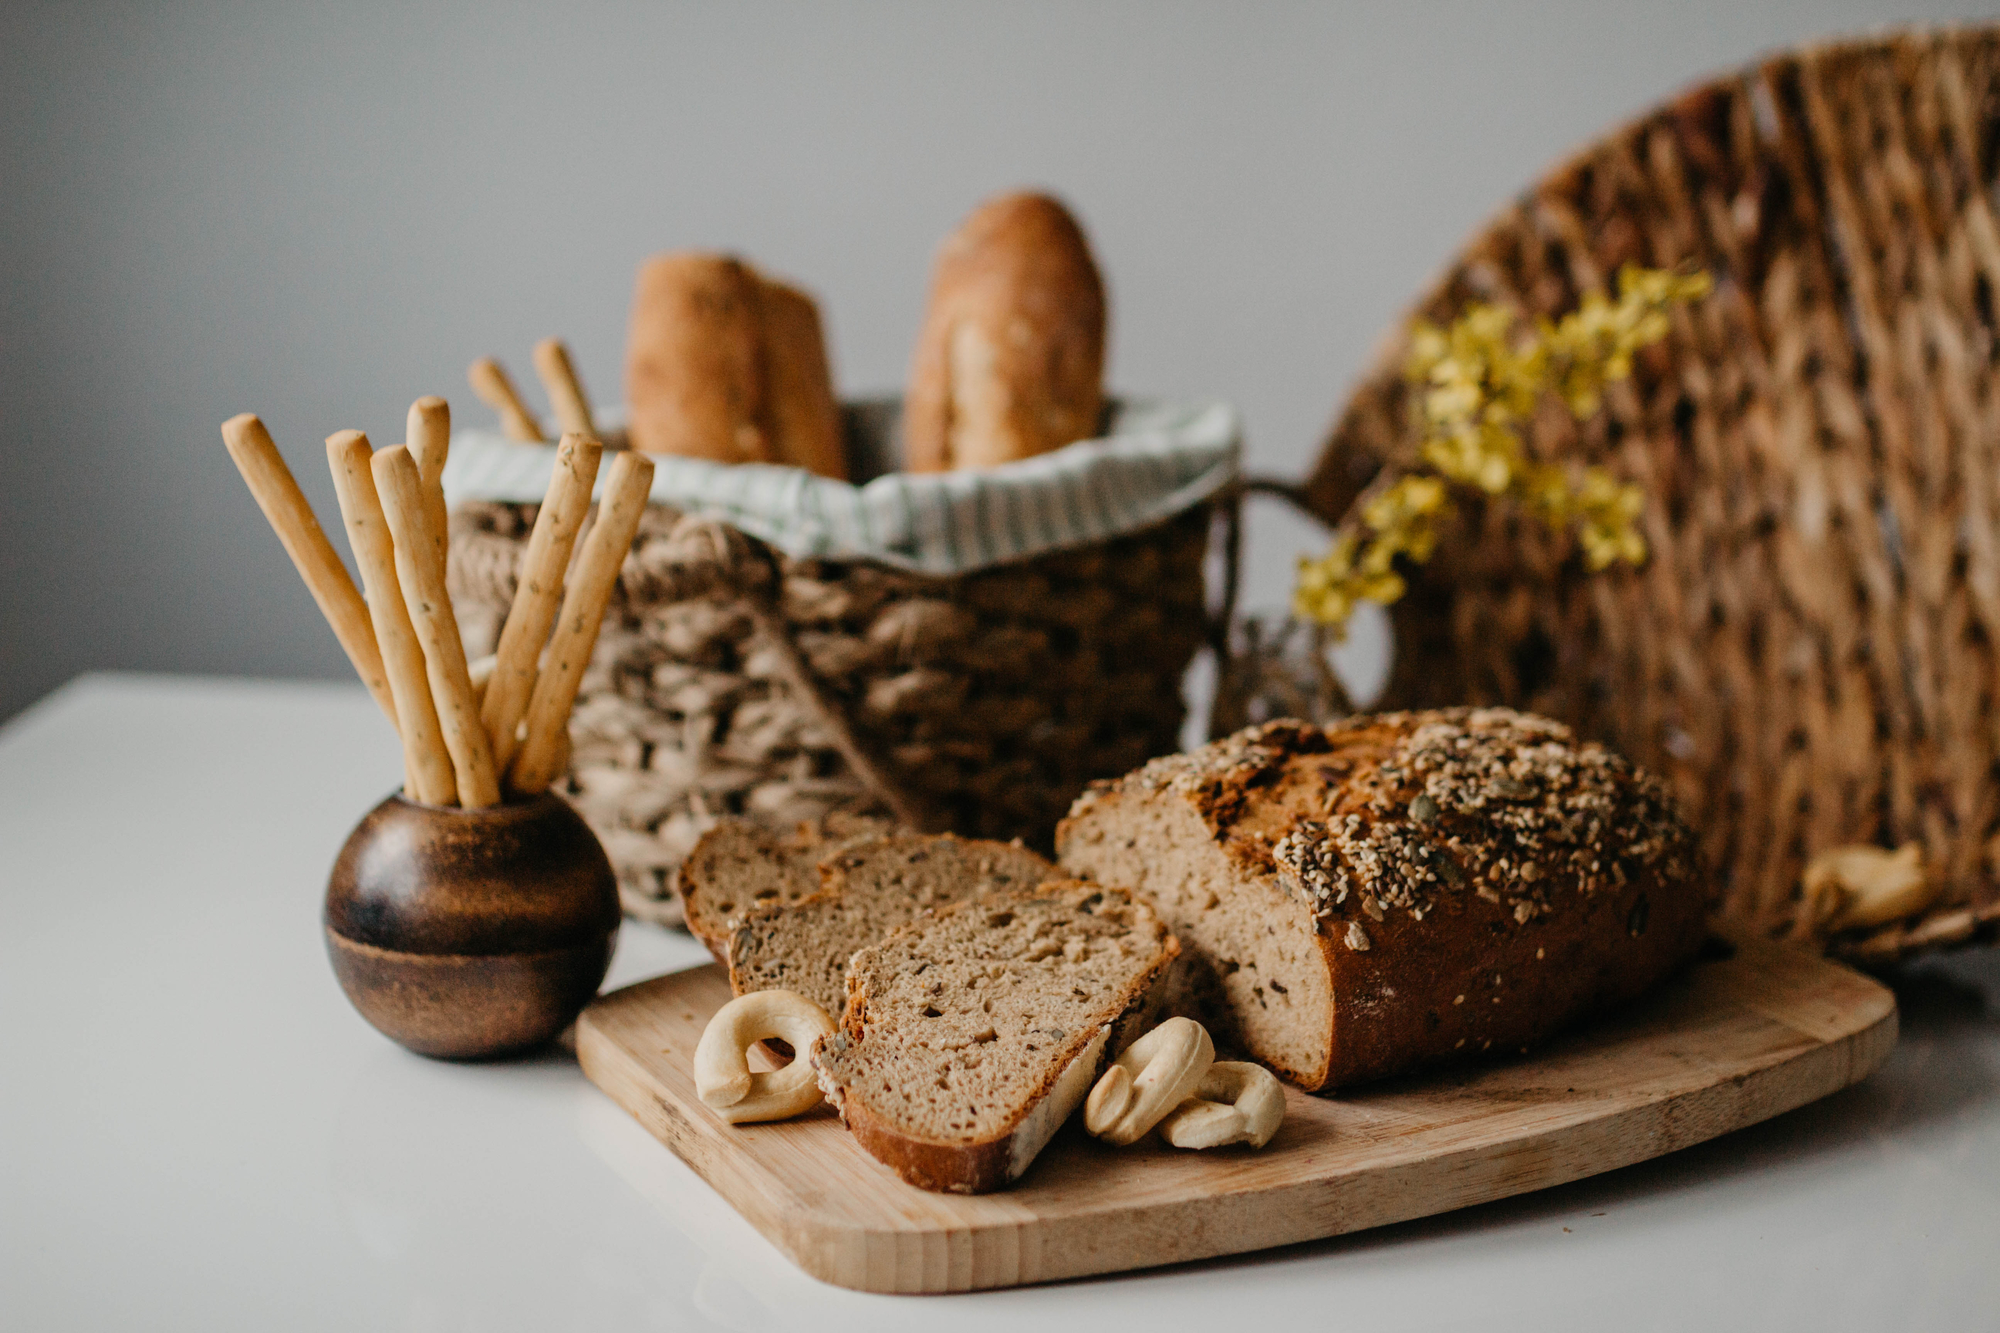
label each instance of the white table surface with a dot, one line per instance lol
(197, 1132)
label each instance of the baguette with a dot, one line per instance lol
(798, 383)
(723, 365)
(1010, 362)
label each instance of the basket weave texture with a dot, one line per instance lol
(1809, 655)
(730, 678)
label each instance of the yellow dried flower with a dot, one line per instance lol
(1480, 383)
(1406, 515)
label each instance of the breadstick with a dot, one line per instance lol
(537, 764)
(490, 382)
(565, 390)
(538, 593)
(428, 433)
(426, 764)
(402, 492)
(285, 507)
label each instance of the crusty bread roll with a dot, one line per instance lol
(1398, 890)
(1010, 362)
(722, 364)
(805, 415)
(693, 360)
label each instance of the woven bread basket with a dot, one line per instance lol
(1810, 653)
(733, 678)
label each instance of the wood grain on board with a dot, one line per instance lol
(1732, 1042)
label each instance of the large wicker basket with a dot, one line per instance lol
(732, 678)
(1810, 654)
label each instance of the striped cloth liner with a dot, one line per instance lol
(1156, 460)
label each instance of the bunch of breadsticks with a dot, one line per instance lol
(468, 730)
(557, 371)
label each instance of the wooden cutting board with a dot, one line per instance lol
(1732, 1042)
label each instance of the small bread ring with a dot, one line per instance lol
(1237, 1102)
(722, 1077)
(1154, 1075)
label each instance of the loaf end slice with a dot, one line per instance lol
(867, 889)
(740, 864)
(972, 1034)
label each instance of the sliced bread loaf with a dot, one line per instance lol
(972, 1033)
(1396, 890)
(868, 889)
(741, 864)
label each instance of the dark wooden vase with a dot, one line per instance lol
(469, 934)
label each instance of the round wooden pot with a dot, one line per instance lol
(468, 934)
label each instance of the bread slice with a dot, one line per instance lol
(740, 864)
(972, 1033)
(1398, 890)
(867, 890)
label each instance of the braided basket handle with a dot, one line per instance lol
(702, 554)
(1230, 505)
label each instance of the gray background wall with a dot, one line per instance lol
(320, 212)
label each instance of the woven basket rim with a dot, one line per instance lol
(1160, 458)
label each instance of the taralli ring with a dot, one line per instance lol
(722, 1077)
(1858, 887)
(1155, 1074)
(1237, 1102)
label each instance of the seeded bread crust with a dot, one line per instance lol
(1399, 890)
(880, 991)
(740, 865)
